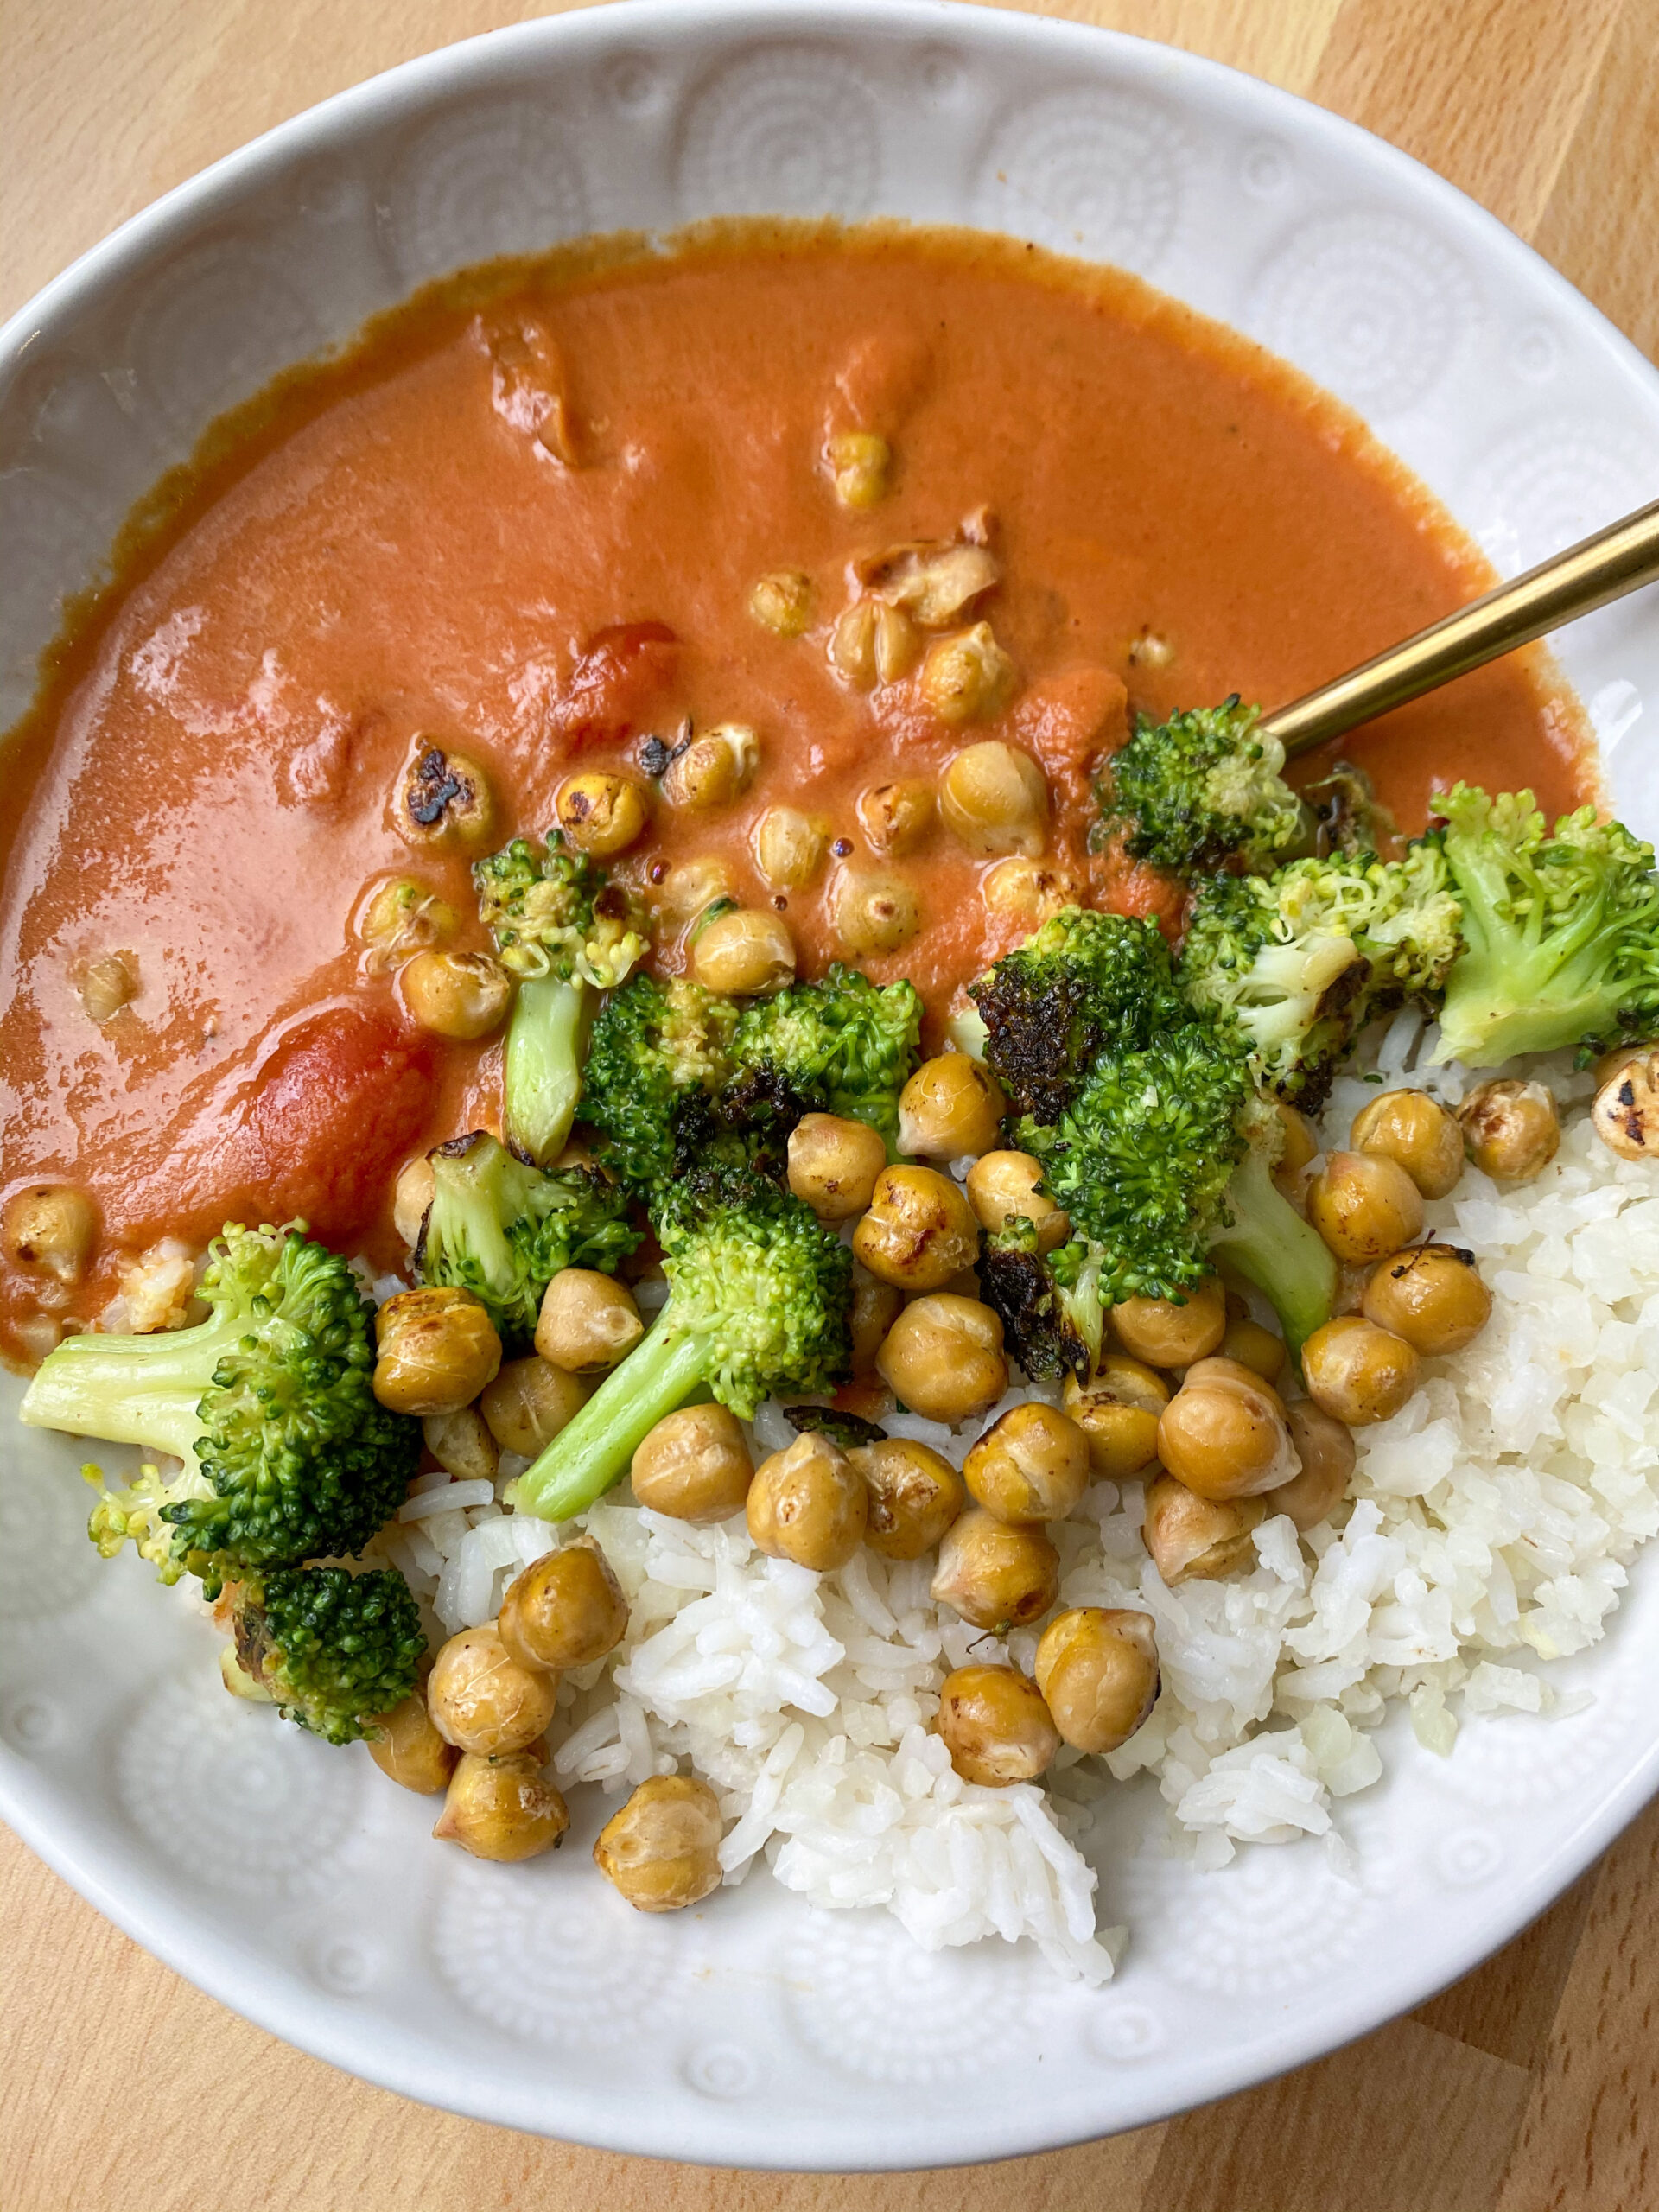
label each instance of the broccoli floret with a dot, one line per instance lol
(503, 1230)
(1561, 933)
(565, 931)
(1049, 1303)
(843, 1045)
(1302, 959)
(288, 1454)
(759, 1293)
(331, 1649)
(1190, 794)
(653, 1045)
(1083, 984)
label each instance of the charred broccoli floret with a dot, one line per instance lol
(1560, 933)
(565, 931)
(331, 1649)
(842, 1045)
(1049, 1303)
(288, 1454)
(1202, 789)
(503, 1230)
(654, 1046)
(759, 1293)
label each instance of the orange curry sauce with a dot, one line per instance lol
(380, 550)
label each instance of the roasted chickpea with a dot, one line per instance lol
(462, 995)
(789, 847)
(1430, 1294)
(51, 1227)
(565, 1610)
(994, 1724)
(462, 1444)
(483, 1700)
(745, 952)
(412, 1196)
(874, 911)
(993, 799)
(1249, 1344)
(1118, 1410)
(438, 1348)
(918, 1231)
(1625, 1115)
(874, 1308)
(694, 1466)
(808, 1503)
(896, 817)
(717, 767)
(661, 1850)
(1357, 1372)
(444, 801)
(782, 602)
(969, 678)
(952, 1105)
(501, 1809)
(1416, 1130)
(1031, 1465)
(587, 1323)
(1363, 1204)
(942, 1358)
(833, 1164)
(104, 986)
(400, 917)
(407, 1747)
(1511, 1130)
(1028, 891)
(1003, 1187)
(997, 1575)
(1165, 1334)
(1193, 1539)
(1223, 1434)
(1098, 1669)
(915, 1495)
(691, 888)
(1326, 1449)
(1300, 1145)
(859, 461)
(602, 813)
(874, 644)
(528, 1403)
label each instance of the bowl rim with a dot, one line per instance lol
(199, 1952)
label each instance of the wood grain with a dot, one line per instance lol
(1533, 2086)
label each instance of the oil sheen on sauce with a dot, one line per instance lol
(542, 553)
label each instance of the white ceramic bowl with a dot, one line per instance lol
(283, 1876)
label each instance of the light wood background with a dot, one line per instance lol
(1531, 2087)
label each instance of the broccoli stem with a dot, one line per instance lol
(591, 1453)
(1271, 1247)
(547, 1039)
(145, 1390)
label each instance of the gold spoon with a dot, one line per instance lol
(1616, 560)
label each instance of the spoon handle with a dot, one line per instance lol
(1616, 560)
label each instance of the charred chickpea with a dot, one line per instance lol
(602, 813)
(993, 799)
(462, 1444)
(1031, 1465)
(691, 888)
(994, 1724)
(501, 1809)
(875, 1309)
(460, 995)
(858, 461)
(412, 1196)
(782, 602)
(444, 802)
(1326, 1449)
(1027, 891)
(918, 1231)
(789, 847)
(1098, 1669)
(483, 1700)
(1416, 1131)
(1118, 1410)
(1003, 1187)
(874, 911)
(694, 1466)
(914, 1496)
(104, 986)
(942, 1358)
(1430, 1294)
(896, 817)
(1167, 1334)
(834, 1162)
(408, 1748)
(661, 1851)
(1625, 1115)
(997, 1574)
(51, 1227)
(528, 1403)
(1363, 1204)
(589, 1321)
(437, 1350)
(1193, 1539)
(1511, 1130)
(1224, 1435)
(717, 767)
(565, 1610)
(745, 953)
(1357, 1372)
(951, 1106)
(1249, 1344)
(808, 1503)
(969, 678)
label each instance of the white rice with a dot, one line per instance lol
(1489, 1532)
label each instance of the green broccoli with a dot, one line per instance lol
(503, 1230)
(1049, 1303)
(653, 1045)
(331, 1649)
(1561, 933)
(269, 1403)
(565, 931)
(843, 1045)
(1259, 1234)
(1202, 789)
(758, 1294)
(1302, 959)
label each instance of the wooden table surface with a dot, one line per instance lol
(1531, 2087)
